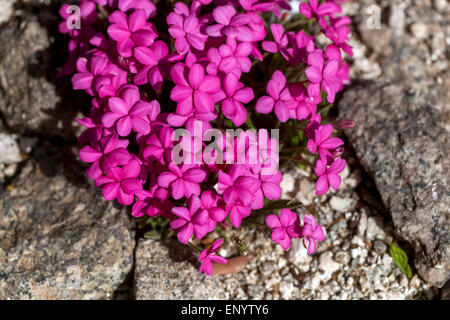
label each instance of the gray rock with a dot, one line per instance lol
(379, 246)
(30, 101)
(58, 238)
(297, 255)
(327, 264)
(342, 204)
(400, 140)
(6, 10)
(165, 270)
(445, 292)
(9, 149)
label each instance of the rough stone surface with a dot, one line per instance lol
(402, 124)
(401, 141)
(164, 270)
(9, 149)
(30, 101)
(58, 238)
(6, 10)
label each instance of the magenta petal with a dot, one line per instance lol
(111, 190)
(131, 186)
(265, 104)
(182, 212)
(166, 178)
(196, 75)
(206, 267)
(203, 102)
(311, 246)
(271, 191)
(82, 81)
(185, 233)
(278, 234)
(195, 175)
(178, 189)
(218, 259)
(145, 56)
(124, 126)
(285, 243)
(180, 93)
(282, 111)
(223, 14)
(117, 33)
(334, 180)
(137, 20)
(118, 106)
(314, 74)
(322, 185)
(273, 221)
(88, 154)
(332, 143)
(109, 119)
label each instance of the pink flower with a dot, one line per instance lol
(328, 177)
(237, 186)
(270, 185)
(235, 56)
(213, 204)
(305, 107)
(121, 183)
(184, 181)
(230, 24)
(238, 211)
(87, 17)
(323, 75)
(158, 146)
(193, 88)
(107, 153)
(207, 257)
(128, 112)
(131, 31)
(185, 28)
(312, 233)
(98, 76)
(279, 97)
(323, 142)
(147, 6)
(155, 61)
(191, 220)
(339, 35)
(266, 5)
(232, 106)
(313, 9)
(285, 227)
(280, 42)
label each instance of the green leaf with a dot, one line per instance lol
(401, 259)
(295, 140)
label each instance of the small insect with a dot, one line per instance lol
(240, 244)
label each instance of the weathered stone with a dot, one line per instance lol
(58, 238)
(165, 270)
(9, 149)
(6, 10)
(30, 101)
(401, 141)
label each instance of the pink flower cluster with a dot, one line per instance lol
(145, 83)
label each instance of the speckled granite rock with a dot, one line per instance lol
(400, 139)
(30, 101)
(165, 271)
(58, 238)
(6, 10)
